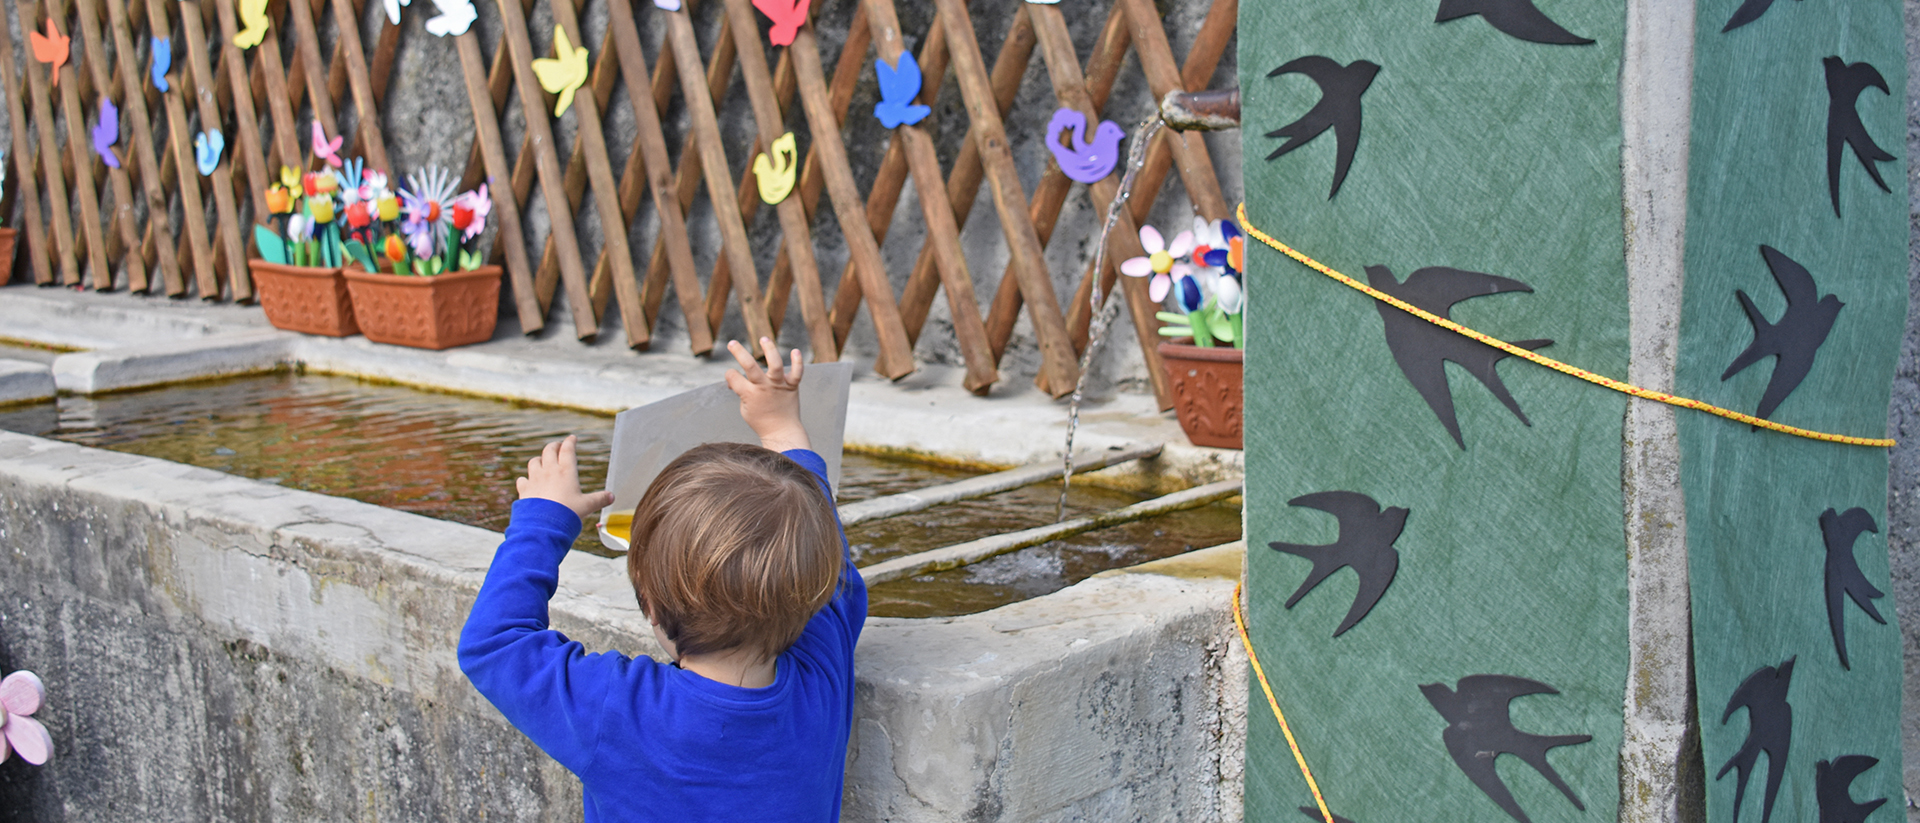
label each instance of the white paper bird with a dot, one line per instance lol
(454, 18)
(393, 10)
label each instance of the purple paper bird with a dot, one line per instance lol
(107, 132)
(1084, 161)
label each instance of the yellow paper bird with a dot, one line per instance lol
(563, 73)
(254, 14)
(774, 170)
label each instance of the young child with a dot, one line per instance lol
(739, 562)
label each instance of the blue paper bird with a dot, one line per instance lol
(106, 132)
(1086, 161)
(162, 61)
(206, 150)
(898, 86)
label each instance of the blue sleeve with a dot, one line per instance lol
(547, 686)
(848, 608)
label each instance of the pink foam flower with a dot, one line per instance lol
(1159, 261)
(21, 694)
(480, 205)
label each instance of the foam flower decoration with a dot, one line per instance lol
(425, 203)
(289, 177)
(477, 205)
(373, 186)
(395, 248)
(349, 179)
(21, 694)
(1159, 261)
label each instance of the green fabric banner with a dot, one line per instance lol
(1480, 156)
(1770, 103)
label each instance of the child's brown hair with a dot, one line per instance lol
(734, 547)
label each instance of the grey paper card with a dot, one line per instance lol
(647, 438)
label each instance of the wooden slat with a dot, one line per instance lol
(180, 139)
(245, 142)
(346, 39)
(26, 189)
(895, 358)
(125, 230)
(1058, 369)
(508, 238)
(650, 167)
(794, 226)
(80, 155)
(687, 178)
(1189, 150)
(267, 62)
(717, 173)
(307, 57)
(552, 183)
(146, 162)
(846, 75)
(233, 249)
(943, 233)
(613, 222)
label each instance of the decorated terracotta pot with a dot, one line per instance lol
(438, 312)
(304, 298)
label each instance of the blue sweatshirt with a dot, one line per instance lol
(650, 741)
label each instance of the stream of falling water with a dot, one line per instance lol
(1102, 313)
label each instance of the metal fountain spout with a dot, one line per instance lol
(1212, 110)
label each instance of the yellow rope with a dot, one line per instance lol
(1549, 362)
(1240, 623)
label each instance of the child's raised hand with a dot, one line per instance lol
(555, 476)
(770, 397)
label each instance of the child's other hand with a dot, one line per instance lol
(770, 397)
(555, 476)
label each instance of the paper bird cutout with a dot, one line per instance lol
(106, 132)
(1793, 341)
(50, 48)
(207, 146)
(328, 150)
(563, 73)
(1769, 729)
(22, 694)
(898, 86)
(774, 169)
(454, 18)
(1480, 729)
(1832, 782)
(1365, 545)
(1084, 161)
(1845, 82)
(788, 16)
(254, 14)
(669, 5)
(1338, 109)
(1748, 12)
(393, 10)
(1515, 18)
(1844, 578)
(1420, 348)
(162, 61)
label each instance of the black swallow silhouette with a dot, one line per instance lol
(1365, 545)
(1314, 813)
(1769, 729)
(1845, 82)
(1338, 109)
(1480, 730)
(1843, 573)
(1795, 339)
(1748, 12)
(1831, 784)
(1516, 18)
(1420, 347)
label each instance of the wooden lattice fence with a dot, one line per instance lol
(157, 223)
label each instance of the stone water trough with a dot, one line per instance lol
(221, 648)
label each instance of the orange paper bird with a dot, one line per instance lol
(50, 48)
(787, 16)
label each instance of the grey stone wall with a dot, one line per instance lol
(216, 648)
(1903, 423)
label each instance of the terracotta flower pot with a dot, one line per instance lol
(6, 255)
(438, 312)
(1207, 394)
(304, 298)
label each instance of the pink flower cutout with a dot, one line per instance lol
(1159, 261)
(21, 694)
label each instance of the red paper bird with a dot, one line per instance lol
(787, 16)
(50, 48)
